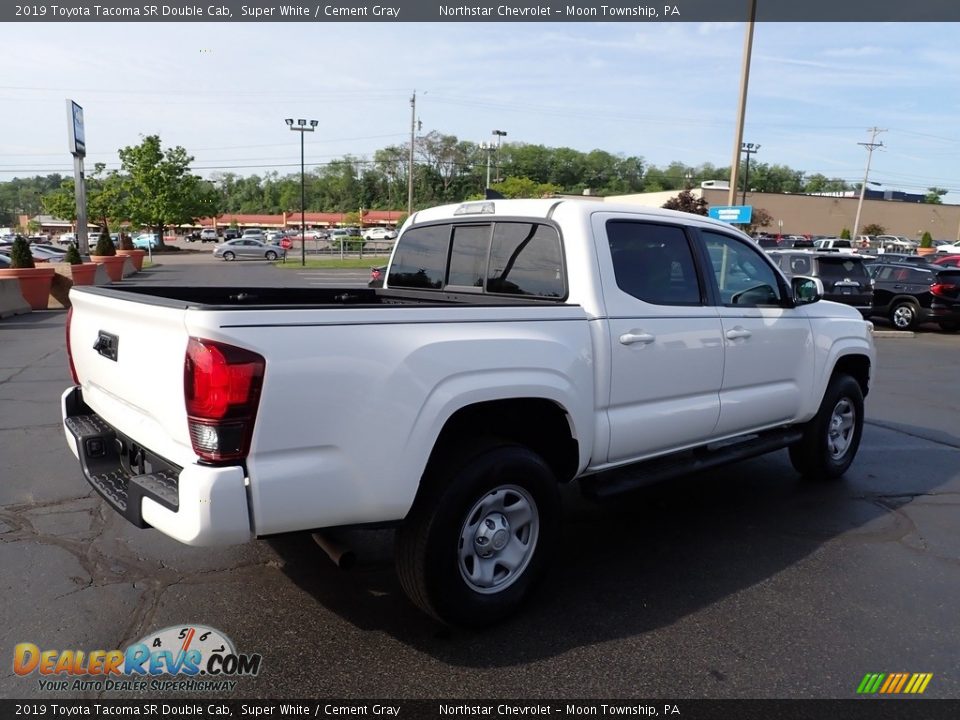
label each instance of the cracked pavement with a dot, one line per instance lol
(744, 582)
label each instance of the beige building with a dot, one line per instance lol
(819, 215)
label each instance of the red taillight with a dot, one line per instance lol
(73, 370)
(221, 385)
(945, 290)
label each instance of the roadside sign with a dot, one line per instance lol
(733, 214)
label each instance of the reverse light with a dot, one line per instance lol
(221, 387)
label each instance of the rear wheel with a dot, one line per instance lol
(228, 256)
(479, 533)
(271, 255)
(903, 315)
(830, 441)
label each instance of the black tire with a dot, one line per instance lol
(903, 315)
(461, 498)
(271, 255)
(228, 256)
(830, 441)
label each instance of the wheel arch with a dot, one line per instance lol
(856, 366)
(536, 423)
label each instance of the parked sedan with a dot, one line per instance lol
(911, 294)
(949, 248)
(379, 233)
(247, 248)
(147, 241)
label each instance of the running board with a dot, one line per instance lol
(623, 479)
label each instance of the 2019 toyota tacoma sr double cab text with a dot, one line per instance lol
(514, 346)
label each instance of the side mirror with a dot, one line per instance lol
(806, 290)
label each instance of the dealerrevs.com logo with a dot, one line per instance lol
(181, 657)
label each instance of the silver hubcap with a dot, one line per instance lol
(840, 434)
(903, 316)
(498, 539)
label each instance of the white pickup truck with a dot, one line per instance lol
(515, 345)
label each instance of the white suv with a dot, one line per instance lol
(208, 235)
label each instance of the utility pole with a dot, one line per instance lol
(500, 134)
(749, 149)
(488, 149)
(870, 146)
(413, 125)
(742, 106)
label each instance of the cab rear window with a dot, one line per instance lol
(502, 258)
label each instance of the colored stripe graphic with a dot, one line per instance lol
(894, 683)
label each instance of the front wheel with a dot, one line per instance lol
(228, 256)
(830, 441)
(479, 533)
(903, 316)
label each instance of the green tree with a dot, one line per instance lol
(926, 240)
(159, 188)
(685, 201)
(514, 187)
(845, 234)
(759, 218)
(874, 229)
(20, 255)
(934, 194)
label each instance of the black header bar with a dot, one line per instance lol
(547, 11)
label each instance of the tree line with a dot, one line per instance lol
(155, 187)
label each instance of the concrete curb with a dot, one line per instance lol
(11, 301)
(894, 333)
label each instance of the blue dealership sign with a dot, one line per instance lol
(733, 214)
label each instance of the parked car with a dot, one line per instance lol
(897, 243)
(231, 233)
(147, 241)
(376, 276)
(248, 248)
(4, 261)
(949, 248)
(909, 295)
(840, 245)
(67, 239)
(379, 233)
(901, 258)
(840, 278)
(254, 234)
(947, 260)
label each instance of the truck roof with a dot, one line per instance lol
(544, 208)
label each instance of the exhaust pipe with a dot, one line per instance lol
(343, 558)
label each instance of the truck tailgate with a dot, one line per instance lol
(129, 357)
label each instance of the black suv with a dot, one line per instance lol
(843, 278)
(912, 294)
(231, 233)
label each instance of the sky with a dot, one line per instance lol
(665, 92)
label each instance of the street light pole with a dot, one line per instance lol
(742, 105)
(302, 127)
(749, 149)
(499, 134)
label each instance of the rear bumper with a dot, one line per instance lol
(197, 504)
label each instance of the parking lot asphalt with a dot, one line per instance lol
(740, 583)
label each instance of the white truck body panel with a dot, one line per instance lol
(354, 398)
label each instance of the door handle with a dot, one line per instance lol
(738, 333)
(631, 338)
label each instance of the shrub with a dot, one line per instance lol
(126, 242)
(927, 240)
(73, 255)
(845, 234)
(105, 245)
(20, 255)
(873, 229)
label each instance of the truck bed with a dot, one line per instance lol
(275, 298)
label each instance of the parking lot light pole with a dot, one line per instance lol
(302, 127)
(500, 134)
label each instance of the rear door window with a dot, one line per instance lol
(526, 259)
